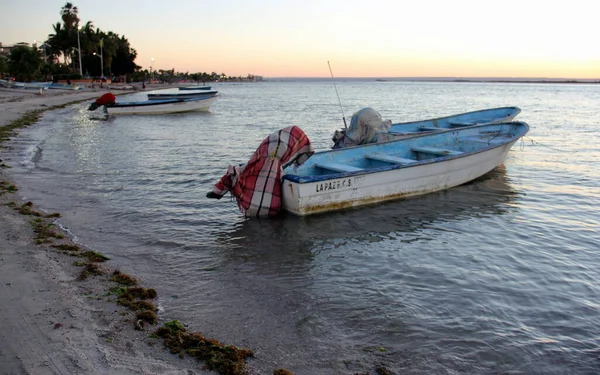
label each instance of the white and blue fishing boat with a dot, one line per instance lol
(195, 88)
(36, 85)
(377, 172)
(25, 85)
(64, 86)
(183, 95)
(153, 107)
(366, 125)
(6, 83)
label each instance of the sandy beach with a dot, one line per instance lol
(52, 322)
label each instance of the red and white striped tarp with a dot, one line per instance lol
(256, 185)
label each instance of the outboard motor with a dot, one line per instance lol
(256, 185)
(106, 99)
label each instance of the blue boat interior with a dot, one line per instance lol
(405, 153)
(480, 117)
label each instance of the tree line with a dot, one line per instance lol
(72, 51)
(78, 50)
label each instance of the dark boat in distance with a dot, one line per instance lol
(195, 88)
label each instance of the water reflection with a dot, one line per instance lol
(460, 281)
(293, 239)
(491, 194)
(322, 273)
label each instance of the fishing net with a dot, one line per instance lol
(365, 127)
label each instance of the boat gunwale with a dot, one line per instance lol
(185, 95)
(516, 110)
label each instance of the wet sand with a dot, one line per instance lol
(50, 322)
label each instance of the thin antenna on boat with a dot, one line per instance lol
(338, 95)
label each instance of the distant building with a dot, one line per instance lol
(5, 50)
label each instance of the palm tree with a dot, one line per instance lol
(70, 18)
(59, 42)
(89, 39)
(110, 47)
(122, 60)
(69, 15)
(24, 62)
(89, 42)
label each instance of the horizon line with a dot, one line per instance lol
(441, 77)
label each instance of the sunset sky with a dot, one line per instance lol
(377, 38)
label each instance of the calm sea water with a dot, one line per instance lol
(499, 276)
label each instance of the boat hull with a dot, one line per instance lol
(317, 194)
(162, 107)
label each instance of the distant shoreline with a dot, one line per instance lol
(524, 81)
(440, 79)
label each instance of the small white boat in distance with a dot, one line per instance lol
(154, 107)
(25, 85)
(377, 172)
(64, 86)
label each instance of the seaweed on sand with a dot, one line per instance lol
(44, 231)
(90, 268)
(219, 357)
(123, 278)
(7, 187)
(135, 298)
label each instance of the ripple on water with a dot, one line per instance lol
(495, 276)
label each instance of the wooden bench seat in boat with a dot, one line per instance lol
(389, 158)
(337, 167)
(436, 151)
(402, 132)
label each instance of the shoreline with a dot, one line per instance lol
(61, 310)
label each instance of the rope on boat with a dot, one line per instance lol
(536, 143)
